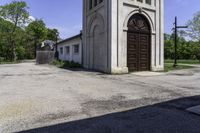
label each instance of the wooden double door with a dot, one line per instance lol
(138, 44)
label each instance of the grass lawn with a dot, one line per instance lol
(184, 61)
(170, 67)
(9, 62)
(169, 64)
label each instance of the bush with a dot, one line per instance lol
(72, 64)
(20, 52)
(65, 64)
(1, 59)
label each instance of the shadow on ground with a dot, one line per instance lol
(84, 70)
(166, 117)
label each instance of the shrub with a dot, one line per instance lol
(1, 59)
(20, 52)
(65, 64)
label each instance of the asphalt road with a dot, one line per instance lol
(45, 99)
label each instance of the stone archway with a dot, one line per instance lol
(97, 43)
(98, 51)
(138, 44)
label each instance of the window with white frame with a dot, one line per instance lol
(61, 50)
(67, 49)
(76, 49)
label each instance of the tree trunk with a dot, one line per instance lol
(14, 58)
(14, 54)
(13, 41)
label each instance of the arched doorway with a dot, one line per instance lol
(138, 44)
(97, 48)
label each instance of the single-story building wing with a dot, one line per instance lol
(70, 49)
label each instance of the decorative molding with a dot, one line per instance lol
(96, 20)
(140, 10)
(139, 23)
(144, 14)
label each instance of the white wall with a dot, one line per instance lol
(122, 10)
(76, 57)
(112, 16)
(95, 37)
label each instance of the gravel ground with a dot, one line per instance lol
(48, 99)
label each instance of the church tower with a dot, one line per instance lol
(121, 36)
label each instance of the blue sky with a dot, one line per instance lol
(66, 15)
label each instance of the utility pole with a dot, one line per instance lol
(175, 42)
(175, 39)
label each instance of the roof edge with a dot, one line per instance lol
(69, 39)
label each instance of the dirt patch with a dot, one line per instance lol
(53, 117)
(18, 75)
(116, 103)
(190, 88)
(182, 73)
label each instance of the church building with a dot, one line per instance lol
(121, 36)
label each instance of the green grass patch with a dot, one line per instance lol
(184, 61)
(4, 61)
(65, 64)
(170, 67)
(9, 62)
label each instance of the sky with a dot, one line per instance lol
(66, 15)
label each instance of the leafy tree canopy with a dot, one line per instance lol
(15, 12)
(37, 30)
(52, 34)
(194, 27)
(19, 36)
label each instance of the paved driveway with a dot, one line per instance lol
(47, 99)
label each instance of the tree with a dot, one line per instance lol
(5, 44)
(37, 32)
(52, 34)
(186, 49)
(15, 12)
(169, 46)
(17, 40)
(194, 27)
(194, 33)
(196, 50)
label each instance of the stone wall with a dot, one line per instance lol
(45, 57)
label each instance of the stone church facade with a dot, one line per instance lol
(121, 36)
